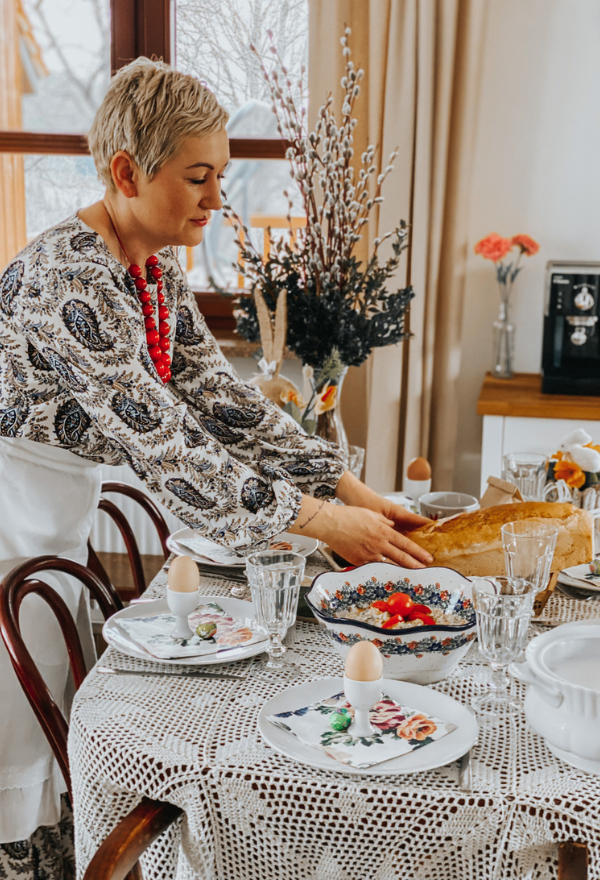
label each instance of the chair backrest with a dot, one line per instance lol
(120, 520)
(20, 582)
(116, 857)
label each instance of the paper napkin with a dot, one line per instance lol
(153, 633)
(401, 730)
(210, 551)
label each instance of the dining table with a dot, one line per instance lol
(250, 813)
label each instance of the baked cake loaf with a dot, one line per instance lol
(471, 543)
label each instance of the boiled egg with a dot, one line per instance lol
(419, 469)
(183, 576)
(364, 662)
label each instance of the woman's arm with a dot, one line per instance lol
(86, 325)
(250, 426)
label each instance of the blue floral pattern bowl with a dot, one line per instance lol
(421, 654)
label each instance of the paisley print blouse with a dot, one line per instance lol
(75, 372)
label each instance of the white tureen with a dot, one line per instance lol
(562, 669)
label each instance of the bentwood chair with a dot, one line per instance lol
(120, 520)
(149, 818)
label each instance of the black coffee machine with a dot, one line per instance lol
(571, 350)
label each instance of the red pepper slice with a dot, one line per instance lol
(380, 605)
(424, 618)
(420, 609)
(391, 623)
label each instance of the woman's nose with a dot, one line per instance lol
(212, 199)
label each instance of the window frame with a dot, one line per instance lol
(146, 27)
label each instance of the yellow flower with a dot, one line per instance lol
(292, 395)
(326, 400)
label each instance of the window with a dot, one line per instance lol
(56, 71)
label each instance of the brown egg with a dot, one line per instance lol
(419, 469)
(183, 576)
(364, 662)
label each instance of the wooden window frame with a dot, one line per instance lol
(145, 27)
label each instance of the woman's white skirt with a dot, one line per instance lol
(48, 498)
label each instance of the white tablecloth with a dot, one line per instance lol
(251, 814)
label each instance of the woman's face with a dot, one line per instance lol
(177, 203)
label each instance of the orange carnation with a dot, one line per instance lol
(570, 472)
(528, 246)
(493, 247)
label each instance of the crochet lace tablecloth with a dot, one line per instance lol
(251, 814)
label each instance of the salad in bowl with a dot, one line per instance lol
(422, 621)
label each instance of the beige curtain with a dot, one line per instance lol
(12, 182)
(422, 61)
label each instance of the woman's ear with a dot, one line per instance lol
(124, 172)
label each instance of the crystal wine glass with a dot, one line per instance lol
(275, 577)
(503, 606)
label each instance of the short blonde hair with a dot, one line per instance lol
(149, 110)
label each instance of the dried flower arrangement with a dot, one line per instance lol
(338, 308)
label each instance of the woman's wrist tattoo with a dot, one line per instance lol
(310, 518)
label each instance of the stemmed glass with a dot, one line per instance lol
(275, 577)
(503, 606)
(239, 589)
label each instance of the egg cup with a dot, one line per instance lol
(182, 604)
(362, 696)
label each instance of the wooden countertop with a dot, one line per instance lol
(522, 396)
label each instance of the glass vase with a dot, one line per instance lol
(504, 340)
(329, 423)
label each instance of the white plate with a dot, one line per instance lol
(306, 546)
(443, 751)
(576, 577)
(117, 637)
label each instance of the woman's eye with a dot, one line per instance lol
(198, 182)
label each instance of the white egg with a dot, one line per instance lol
(183, 576)
(364, 662)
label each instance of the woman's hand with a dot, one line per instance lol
(360, 535)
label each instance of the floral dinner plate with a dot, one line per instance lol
(443, 751)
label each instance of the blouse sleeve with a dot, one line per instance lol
(253, 428)
(86, 325)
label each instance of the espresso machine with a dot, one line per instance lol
(571, 347)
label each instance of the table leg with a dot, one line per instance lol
(572, 861)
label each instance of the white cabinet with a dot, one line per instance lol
(502, 434)
(517, 417)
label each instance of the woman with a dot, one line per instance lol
(105, 358)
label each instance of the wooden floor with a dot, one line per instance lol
(119, 570)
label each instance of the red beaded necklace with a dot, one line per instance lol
(156, 339)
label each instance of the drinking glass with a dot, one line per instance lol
(528, 551)
(275, 577)
(527, 471)
(503, 606)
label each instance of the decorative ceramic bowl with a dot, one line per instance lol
(422, 654)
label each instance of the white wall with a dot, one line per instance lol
(537, 170)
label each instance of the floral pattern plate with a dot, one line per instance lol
(426, 700)
(236, 608)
